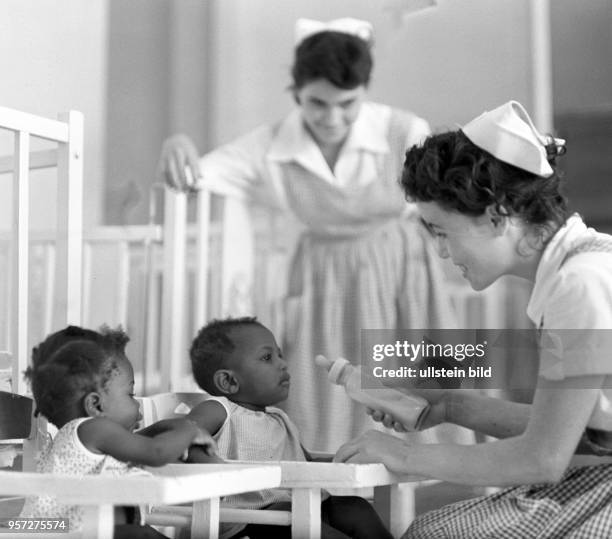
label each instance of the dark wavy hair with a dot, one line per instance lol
(71, 363)
(452, 171)
(342, 59)
(210, 348)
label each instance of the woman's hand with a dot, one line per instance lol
(375, 446)
(178, 165)
(386, 419)
(434, 415)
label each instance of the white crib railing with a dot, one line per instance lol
(67, 132)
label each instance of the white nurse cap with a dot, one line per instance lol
(508, 133)
(305, 28)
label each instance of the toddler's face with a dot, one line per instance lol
(118, 399)
(259, 366)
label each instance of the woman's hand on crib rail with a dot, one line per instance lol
(178, 165)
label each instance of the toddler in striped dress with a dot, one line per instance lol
(238, 362)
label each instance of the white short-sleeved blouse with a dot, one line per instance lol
(571, 303)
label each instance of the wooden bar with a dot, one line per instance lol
(123, 271)
(306, 513)
(205, 519)
(202, 239)
(69, 224)
(35, 125)
(173, 294)
(50, 264)
(38, 160)
(21, 260)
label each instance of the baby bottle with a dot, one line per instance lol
(410, 410)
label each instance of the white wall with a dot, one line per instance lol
(446, 63)
(53, 60)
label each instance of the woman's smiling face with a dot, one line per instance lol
(482, 250)
(329, 111)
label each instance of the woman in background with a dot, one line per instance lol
(362, 260)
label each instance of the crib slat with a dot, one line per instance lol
(49, 279)
(87, 279)
(39, 159)
(69, 223)
(237, 259)
(173, 296)
(203, 233)
(123, 272)
(21, 256)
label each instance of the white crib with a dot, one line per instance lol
(161, 281)
(65, 269)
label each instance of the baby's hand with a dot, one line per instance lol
(198, 454)
(205, 441)
(322, 361)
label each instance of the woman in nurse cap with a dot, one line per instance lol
(329, 170)
(490, 194)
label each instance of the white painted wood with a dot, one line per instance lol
(49, 280)
(394, 494)
(237, 259)
(38, 160)
(21, 261)
(87, 278)
(205, 519)
(338, 475)
(168, 486)
(164, 405)
(180, 516)
(174, 285)
(203, 481)
(396, 506)
(123, 284)
(201, 275)
(68, 283)
(152, 317)
(105, 234)
(256, 516)
(306, 513)
(98, 521)
(35, 125)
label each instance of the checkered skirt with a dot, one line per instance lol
(579, 506)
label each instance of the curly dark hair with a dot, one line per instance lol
(342, 59)
(44, 350)
(450, 170)
(71, 363)
(210, 348)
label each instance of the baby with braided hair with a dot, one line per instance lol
(83, 383)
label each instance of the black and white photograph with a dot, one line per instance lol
(407, 202)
